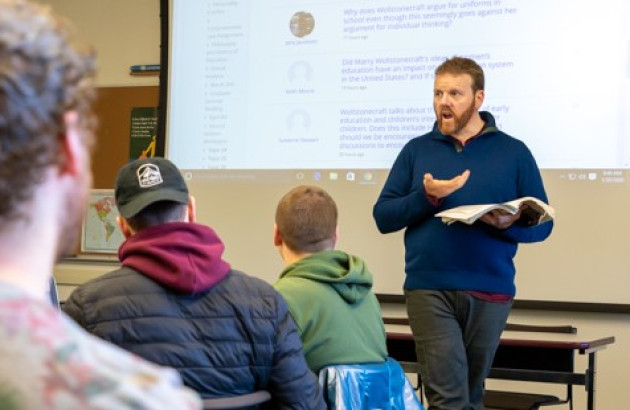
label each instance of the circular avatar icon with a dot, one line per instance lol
(302, 24)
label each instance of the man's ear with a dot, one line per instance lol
(277, 239)
(71, 146)
(480, 95)
(192, 209)
(124, 226)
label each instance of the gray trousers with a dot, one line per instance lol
(456, 336)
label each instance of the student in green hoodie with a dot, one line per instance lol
(329, 292)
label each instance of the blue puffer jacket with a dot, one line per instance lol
(227, 333)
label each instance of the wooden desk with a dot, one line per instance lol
(521, 355)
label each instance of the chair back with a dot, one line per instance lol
(237, 402)
(368, 386)
(52, 293)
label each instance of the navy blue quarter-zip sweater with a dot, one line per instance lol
(458, 256)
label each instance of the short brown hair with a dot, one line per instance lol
(462, 65)
(42, 76)
(306, 218)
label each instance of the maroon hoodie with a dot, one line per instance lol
(182, 256)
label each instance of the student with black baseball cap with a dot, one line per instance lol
(177, 302)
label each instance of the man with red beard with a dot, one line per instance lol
(459, 284)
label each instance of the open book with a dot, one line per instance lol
(534, 211)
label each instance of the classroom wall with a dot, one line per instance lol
(126, 32)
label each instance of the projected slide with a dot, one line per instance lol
(345, 84)
(264, 95)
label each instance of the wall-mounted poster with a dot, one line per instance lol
(143, 132)
(100, 233)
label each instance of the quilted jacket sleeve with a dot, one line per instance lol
(292, 384)
(73, 307)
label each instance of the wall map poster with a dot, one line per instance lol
(100, 233)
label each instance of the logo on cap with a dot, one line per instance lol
(149, 175)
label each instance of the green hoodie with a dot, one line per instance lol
(331, 300)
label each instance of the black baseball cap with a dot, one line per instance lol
(146, 181)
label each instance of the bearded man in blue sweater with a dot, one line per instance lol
(459, 282)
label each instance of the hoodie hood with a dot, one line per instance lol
(346, 274)
(183, 256)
